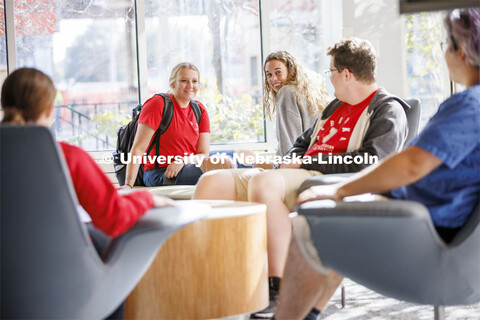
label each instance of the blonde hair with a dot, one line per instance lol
(305, 90)
(180, 66)
(26, 94)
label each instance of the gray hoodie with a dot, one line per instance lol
(381, 130)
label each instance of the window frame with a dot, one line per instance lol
(270, 142)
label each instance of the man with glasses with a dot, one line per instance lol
(364, 121)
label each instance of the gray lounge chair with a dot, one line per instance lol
(49, 267)
(393, 248)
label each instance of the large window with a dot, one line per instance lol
(90, 49)
(87, 47)
(427, 76)
(222, 38)
(305, 28)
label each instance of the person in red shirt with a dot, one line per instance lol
(28, 98)
(183, 138)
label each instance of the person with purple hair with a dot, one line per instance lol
(439, 168)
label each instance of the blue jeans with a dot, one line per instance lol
(189, 175)
(230, 154)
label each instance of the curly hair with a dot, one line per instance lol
(315, 98)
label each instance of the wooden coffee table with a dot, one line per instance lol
(213, 268)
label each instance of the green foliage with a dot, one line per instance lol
(232, 119)
(76, 140)
(108, 122)
(425, 66)
(423, 36)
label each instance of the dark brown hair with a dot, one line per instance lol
(26, 94)
(356, 55)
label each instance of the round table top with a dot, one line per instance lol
(175, 192)
(225, 208)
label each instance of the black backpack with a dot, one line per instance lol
(126, 136)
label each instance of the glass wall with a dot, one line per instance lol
(222, 38)
(302, 27)
(427, 74)
(88, 48)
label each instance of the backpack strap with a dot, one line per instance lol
(197, 111)
(167, 116)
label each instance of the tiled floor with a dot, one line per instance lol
(364, 304)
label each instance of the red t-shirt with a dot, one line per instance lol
(181, 137)
(335, 134)
(110, 212)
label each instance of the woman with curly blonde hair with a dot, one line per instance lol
(292, 96)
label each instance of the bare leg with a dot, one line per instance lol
(269, 188)
(218, 184)
(332, 283)
(301, 286)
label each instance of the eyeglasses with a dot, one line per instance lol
(330, 72)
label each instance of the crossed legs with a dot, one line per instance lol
(266, 187)
(275, 188)
(302, 287)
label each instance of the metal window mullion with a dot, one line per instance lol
(141, 46)
(10, 36)
(270, 136)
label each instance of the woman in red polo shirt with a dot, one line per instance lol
(27, 98)
(183, 138)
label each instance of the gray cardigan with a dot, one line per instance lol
(385, 130)
(291, 119)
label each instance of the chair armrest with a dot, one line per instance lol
(362, 224)
(323, 180)
(155, 227)
(374, 243)
(129, 256)
(393, 248)
(386, 208)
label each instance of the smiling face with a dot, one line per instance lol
(186, 83)
(276, 73)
